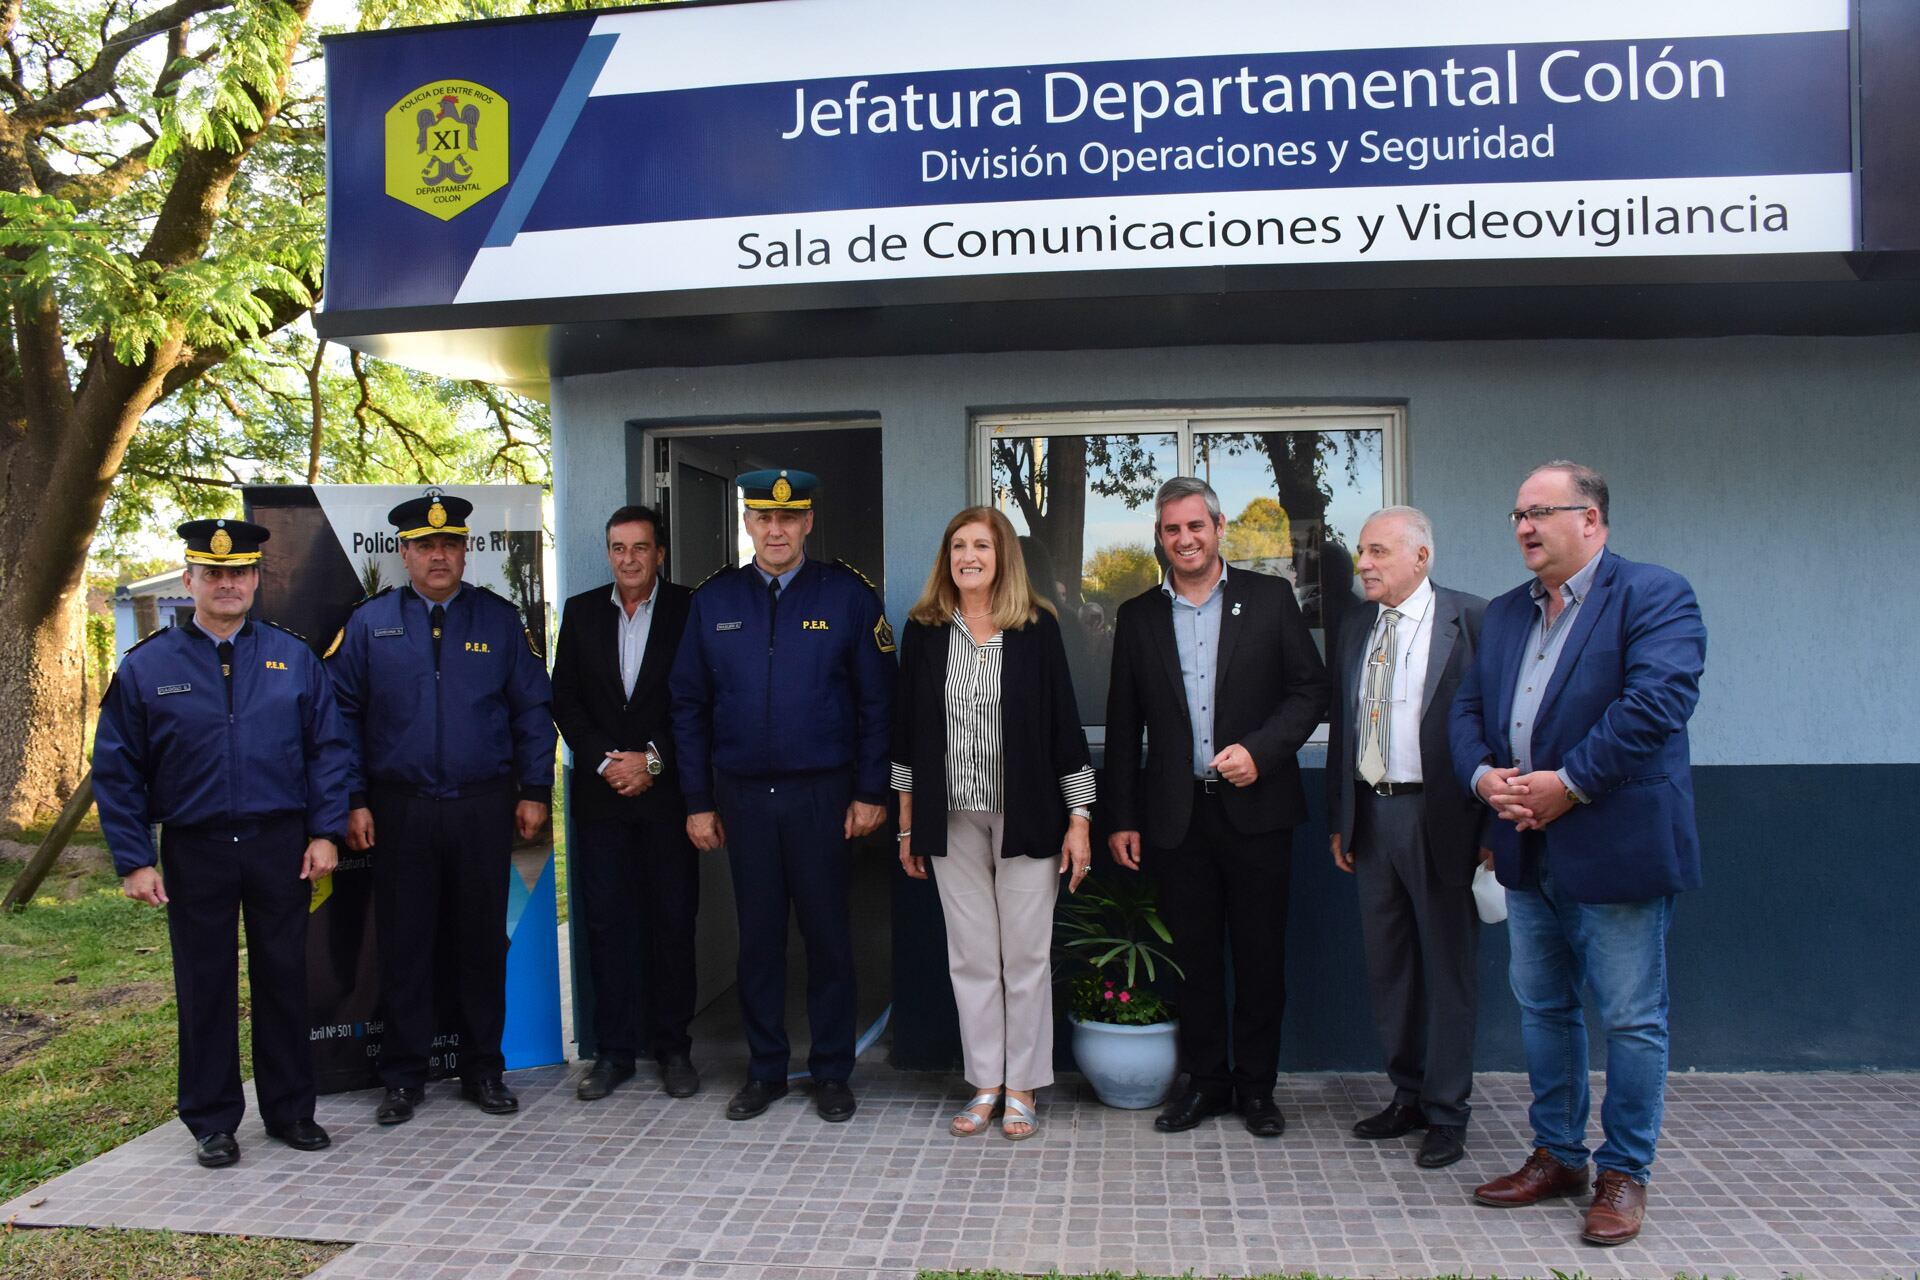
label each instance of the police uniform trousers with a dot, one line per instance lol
(636, 879)
(1421, 939)
(440, 871)
(786, 846)
(1224, 893)
(216, 878)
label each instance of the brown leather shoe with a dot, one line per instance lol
(1619, 1205)
(1540, 1178)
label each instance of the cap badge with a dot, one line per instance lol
(221, 542)
(437, 515)
(782, 491)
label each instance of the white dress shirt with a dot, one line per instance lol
(632, 631)
(1414, 637)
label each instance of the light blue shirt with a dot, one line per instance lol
(1537, 663)
(1196, 634)
(786, 579)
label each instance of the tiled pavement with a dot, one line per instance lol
(1760, 1175)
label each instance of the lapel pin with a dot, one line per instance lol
(1236, 608)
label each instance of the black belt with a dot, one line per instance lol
(1391, 788)
(1210, 786)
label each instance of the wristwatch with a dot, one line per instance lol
(655, 765)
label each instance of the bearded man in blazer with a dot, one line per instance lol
(1406, 829)
(636, 872)
(1220, 672)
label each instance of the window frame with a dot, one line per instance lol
(1185, 425)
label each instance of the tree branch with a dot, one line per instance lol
(59, 105)
(178, 477)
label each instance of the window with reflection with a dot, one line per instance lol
(1295, 486)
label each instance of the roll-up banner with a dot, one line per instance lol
(685, 149)
(332, 545)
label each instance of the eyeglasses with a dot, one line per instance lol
(1535, 515)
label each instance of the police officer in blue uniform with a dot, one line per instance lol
(446, 704)
(223, 732)
(782, 696)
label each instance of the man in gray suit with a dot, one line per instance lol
(1406, 829)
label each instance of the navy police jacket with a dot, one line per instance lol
(760, 692)
(479, 723)
(171, 748)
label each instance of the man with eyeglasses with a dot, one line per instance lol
(1572, 726)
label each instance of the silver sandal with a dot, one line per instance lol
(1020, 1113)
(972, 1120)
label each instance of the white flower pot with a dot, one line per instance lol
(1128, 1067)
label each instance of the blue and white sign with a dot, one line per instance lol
(824, 141)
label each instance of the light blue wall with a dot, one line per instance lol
(1778, 474)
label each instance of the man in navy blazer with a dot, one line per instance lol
(1572, 727)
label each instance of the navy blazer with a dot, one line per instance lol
(1451, 816)
(1614, 717)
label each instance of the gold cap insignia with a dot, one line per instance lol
(436, 515)
(221, 542)
(782, 491)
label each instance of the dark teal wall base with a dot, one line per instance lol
(1801, 952)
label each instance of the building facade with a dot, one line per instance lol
(957, 254)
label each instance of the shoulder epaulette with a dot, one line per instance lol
(374, 596)
(154, 634)
(710, 577)
(856, 573)
(289, 630)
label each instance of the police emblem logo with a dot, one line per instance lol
(220, 543)
(437, 516)
(883, 636)
(782, 490)
(446, 147)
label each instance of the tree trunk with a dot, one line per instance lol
(42, 716)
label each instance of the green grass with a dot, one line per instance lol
(70, 1254)
(87, 1044)
(86, 1025)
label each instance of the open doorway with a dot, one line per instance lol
(688, 473)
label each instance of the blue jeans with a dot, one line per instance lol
(1619, 949)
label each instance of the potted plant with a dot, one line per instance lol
(1123, 1030)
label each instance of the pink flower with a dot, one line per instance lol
(1109, 984)
(1126, 996)
(1108, 995)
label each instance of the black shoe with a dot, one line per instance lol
(1263, 1117)
(490, 1095)
(397, 1107)
(833, 1099)
(1191, 1108)
(1443, 1144)
(1399, 1119)
(678, 1075)
(754, 1097)
(606, 1076)
(301, 1135)
(217, 1151)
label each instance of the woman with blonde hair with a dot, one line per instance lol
(992, 769)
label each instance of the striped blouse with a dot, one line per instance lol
(976, 776)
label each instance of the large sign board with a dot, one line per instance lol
(331, 545)
(684, 149)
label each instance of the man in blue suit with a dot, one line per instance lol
(1572, 726)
